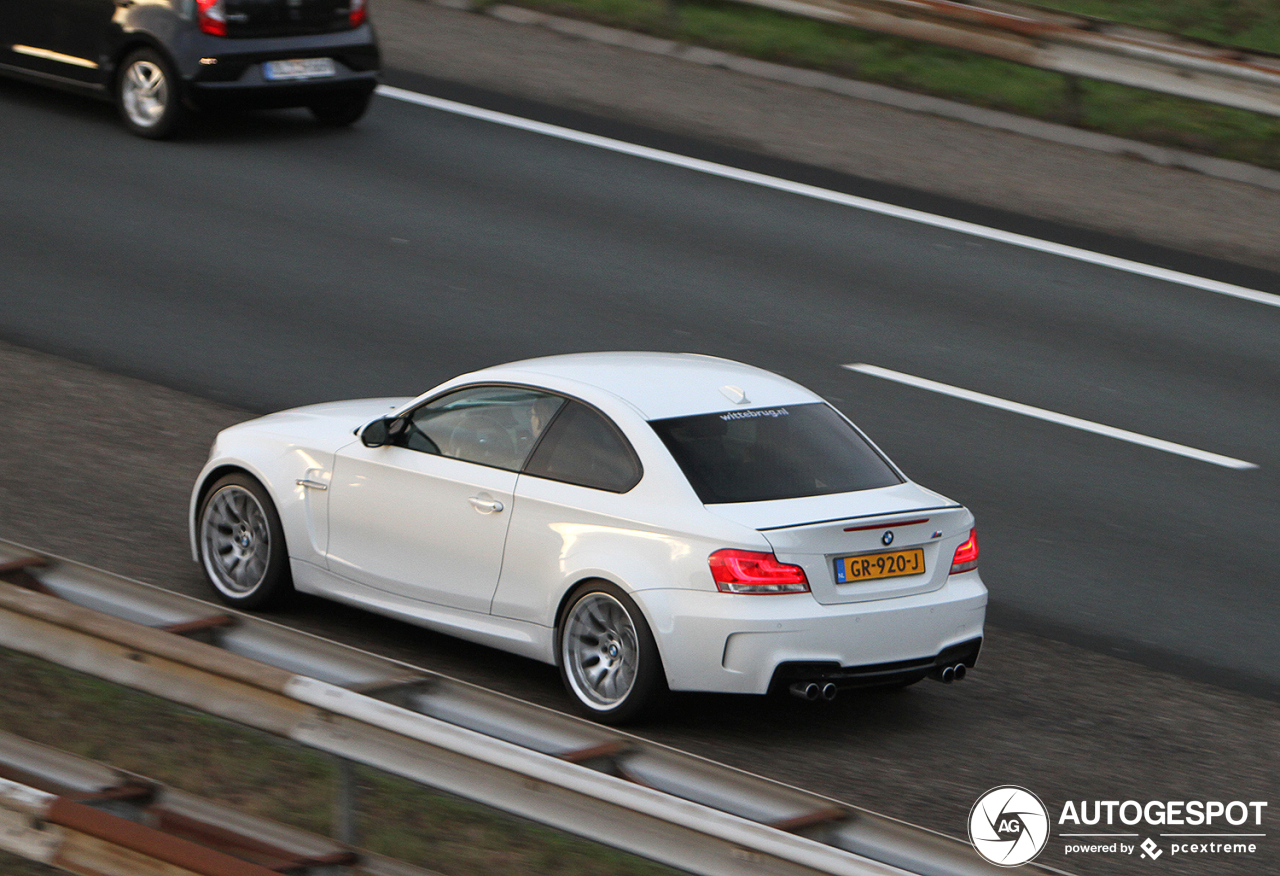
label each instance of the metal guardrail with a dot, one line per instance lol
(1072, 44)
(597, 782)
(84, 817)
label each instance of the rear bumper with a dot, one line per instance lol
(253, 92)
(727, 643)
(220, 72)
(877, 674)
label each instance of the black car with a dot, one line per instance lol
(160, 59)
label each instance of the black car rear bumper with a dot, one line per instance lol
(220, 72)
(253, 92)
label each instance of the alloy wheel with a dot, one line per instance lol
(235, 541)
(601, 651)
(145, 93)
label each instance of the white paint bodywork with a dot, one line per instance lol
(395, 532)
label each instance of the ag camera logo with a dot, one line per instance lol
(1009, 826)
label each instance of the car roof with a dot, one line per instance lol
(660, 385)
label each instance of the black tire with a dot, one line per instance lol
(241, 544)
(342, 109)
(602, 625)
(149, 96)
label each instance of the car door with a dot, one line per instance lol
(426, 516)
(78, 34)
(23, 28)
(57, 38)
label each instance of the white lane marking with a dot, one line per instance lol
(1050, 416)
(795, 188)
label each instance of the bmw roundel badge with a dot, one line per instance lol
(887, 538)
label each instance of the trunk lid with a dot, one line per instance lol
(818, 532)
(272, 18)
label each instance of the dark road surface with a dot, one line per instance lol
(267, 263)
(273, 264)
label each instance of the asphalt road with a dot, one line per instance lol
(268, 263)
(277, 264)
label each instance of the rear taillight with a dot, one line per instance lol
(358, 13)
(966, 558)
(737, 571)
(211, 15)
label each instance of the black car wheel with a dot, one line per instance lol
(147, 94)
(608, 659)
(340, 110)
(242, 545)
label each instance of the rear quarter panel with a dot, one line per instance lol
(656, 536)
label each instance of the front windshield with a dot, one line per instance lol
(773, 453)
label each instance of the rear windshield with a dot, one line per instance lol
(773, 453)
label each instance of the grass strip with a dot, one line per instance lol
(272, 778)
(1248, 24)
(976, 79)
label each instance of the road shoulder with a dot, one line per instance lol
(97, 467)
(1110, 194)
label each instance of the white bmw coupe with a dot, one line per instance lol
(645, 521)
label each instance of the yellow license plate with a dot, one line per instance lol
(890, 564)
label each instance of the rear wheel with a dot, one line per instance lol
(340, 110)
(148, 96)
(242, 545)
(608, 659)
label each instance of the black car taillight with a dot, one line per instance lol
(211, 15)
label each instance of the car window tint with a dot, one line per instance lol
(773, 453)
(582, 447)
(491, 425)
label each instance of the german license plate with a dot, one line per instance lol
(298, 68)
(890, 564)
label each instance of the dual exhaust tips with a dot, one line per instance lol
(948, 674)
(811, 690)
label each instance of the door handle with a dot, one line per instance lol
(485, 506)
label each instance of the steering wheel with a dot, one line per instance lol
(481, 438)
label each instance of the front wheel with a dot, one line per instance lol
(608, 659)
(242, 544)
(148, 96)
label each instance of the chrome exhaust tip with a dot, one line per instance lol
(805, 690)
(829, 691)
(960, 671)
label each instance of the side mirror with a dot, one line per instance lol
(376, 434)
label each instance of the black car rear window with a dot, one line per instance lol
(773, 453)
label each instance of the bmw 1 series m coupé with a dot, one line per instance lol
(645, 521)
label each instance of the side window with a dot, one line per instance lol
(491, 425)
(582, 447)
